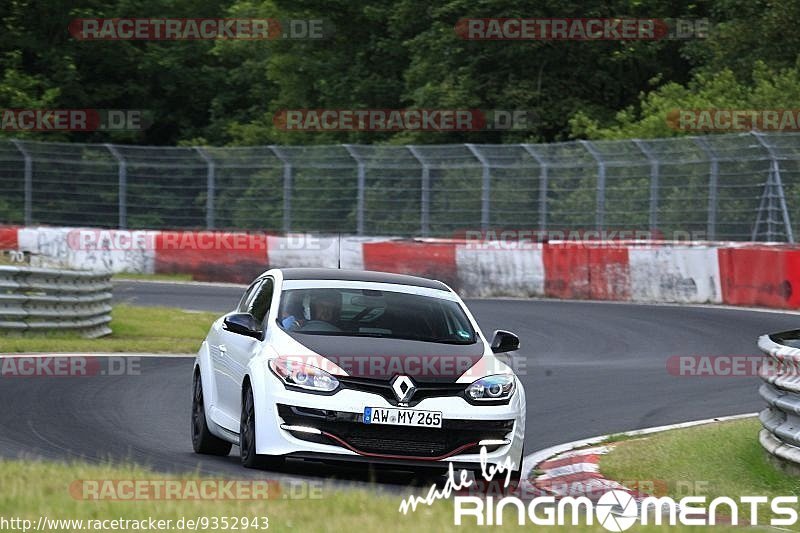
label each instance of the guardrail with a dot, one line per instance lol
(39, 299)
(781, 390)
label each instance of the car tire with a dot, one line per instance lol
(247, 436)
(202, 439)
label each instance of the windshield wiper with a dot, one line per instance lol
(450, 340)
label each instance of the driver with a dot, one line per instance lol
(291, 313)
(326, 307)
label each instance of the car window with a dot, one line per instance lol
(260, 304)
(248, 296)
(374, 313)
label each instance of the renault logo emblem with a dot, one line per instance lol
(403, 388)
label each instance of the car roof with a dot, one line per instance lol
(360, 275)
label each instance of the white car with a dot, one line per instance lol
(347, 365)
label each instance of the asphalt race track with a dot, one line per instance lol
(588, 368)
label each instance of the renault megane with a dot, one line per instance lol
(330, 364)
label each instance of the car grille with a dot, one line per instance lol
(430, 445)
(383, 388)
(394, 440)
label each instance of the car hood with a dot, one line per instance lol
(382, 359)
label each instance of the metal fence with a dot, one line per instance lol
(39, 299)
(719, 187)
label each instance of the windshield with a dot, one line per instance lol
(373, 313)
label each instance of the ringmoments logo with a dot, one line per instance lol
(618, 510)
(615, 510)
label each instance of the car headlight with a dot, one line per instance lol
(304, 376)
(491, 388)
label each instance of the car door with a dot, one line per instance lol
(217, 350)
(236, 350)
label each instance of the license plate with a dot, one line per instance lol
(402, 417)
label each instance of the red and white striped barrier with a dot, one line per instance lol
(728, 273)
(577, 474)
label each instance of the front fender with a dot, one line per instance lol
(203, 363)
(258, 373)
(518, 453)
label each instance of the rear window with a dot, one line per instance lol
(374, 313)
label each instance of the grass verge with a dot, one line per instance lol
(135, 329)
(720, 459)
(34, 489)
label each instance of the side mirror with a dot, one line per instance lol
(244, 324)
(504, 341)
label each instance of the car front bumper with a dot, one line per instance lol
(333, 429)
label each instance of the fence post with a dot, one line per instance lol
(362, 178)
(601, 185)
(210, 186)
(122, 179)
(712, 186)
(425, 192)
(543, 177)
(486, 185)
(287, 188)
(774, 179)
(27, 184)
(654, 178)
